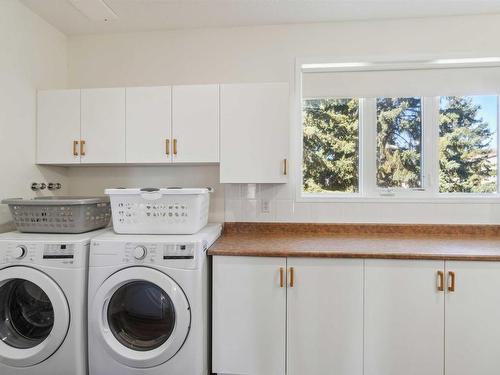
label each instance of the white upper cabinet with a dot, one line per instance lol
(472, 318)
(249, 307)
(325, 316)
(404, 318)
(254, 125)
(103, 125)
(148, 118)
(58, 139)
(245, 127)
(195, 124)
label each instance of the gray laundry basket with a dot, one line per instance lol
(60, 214)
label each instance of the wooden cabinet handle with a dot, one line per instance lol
(440, 285)
(75, 148)
(175, 146)
(167, 146)
(285, 167)
(282, 277)
(292, 277)
(451, 281)
(82, 147)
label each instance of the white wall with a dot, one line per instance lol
(259, 54)
(33, 55)
(93, 181)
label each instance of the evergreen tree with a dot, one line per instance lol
(399, 134)
(330, 164)
(331, 145)
(464, 148)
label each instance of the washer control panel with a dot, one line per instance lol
(60, 254)
(19, 252)
(59, 251)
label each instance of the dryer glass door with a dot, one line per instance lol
(141, 315)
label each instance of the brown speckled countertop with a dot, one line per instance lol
(443, 242)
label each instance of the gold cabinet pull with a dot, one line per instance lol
(440, 285)
(292, 277)
(82, 147)
(451, 281)
(75, 148)
(285, 167)
(282, 277)
(167, 146)
(175, 146)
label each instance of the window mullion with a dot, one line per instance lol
(368, 147)
(498, 148)
(430, 149)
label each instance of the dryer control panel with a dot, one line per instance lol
(172, 251)
(178, 255)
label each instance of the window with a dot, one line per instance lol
(468, 144)
(385, 130)
(399, 142)
(331, 145)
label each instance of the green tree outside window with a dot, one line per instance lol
(467, 161)
(467, 144)
(331, 142)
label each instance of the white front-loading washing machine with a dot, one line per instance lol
(148, 303)
(43, 303)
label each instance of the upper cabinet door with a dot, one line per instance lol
(325, 316)
(472, 318)
(249, 311)
(404, 318)
(195, 125)
(103, 126)
(58, 127)
(254, 133)
(148, 124)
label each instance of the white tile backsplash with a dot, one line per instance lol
(302, 212)
(248, 191)
(271, 207)
(284, 209)
(249, 209)
(232, 191)
(244, 202)
(266, 191)
(233, 210)
(284, 191)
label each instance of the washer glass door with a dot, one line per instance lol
(26, 314)
(34, 316)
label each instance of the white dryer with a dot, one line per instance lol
(43, 285)
(148, 303)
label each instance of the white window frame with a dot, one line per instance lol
(368, 191)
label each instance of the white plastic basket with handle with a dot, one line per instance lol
(159, 211)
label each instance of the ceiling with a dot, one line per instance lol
(144, 15)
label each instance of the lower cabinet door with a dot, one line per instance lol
(249, 311)
(325, 316)
(473, 318)
(404, 318)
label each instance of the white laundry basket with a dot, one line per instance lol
(159, 211)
